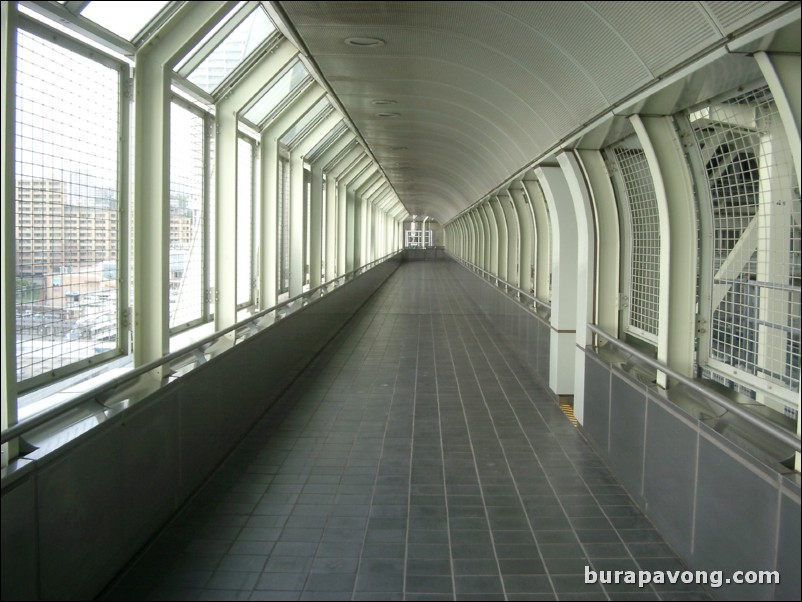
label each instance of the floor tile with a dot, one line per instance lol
(415, 457)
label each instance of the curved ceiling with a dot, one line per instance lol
(481, 89)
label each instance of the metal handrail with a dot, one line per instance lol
(773, 430)
(491, 276)
(33, 422)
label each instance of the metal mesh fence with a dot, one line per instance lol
(644, 268)
(755, 307)
(211, 240)
(307, 223)
(283, 225)
(323, 230)
(67, 132)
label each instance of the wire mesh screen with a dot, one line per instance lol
(324, 216)
(283, 225)
(644, 268)
(211, 241)
(755, 308)
(67, 129)
(244, 220)
(307, 223)
(186, 216)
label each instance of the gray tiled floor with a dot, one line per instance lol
(417, 460)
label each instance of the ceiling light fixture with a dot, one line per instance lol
(384, 101)
(364, 42)
(388, 115)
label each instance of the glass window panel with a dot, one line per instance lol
(281, 89)
(315, 113)
(126, 19)
(244, 220)
(67, 127)
(186, 216)
(232, 51)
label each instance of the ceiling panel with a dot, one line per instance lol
(731, 16)
(484, 88)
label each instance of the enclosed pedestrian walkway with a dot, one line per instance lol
(400, 299)
(414, 459)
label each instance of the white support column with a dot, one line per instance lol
(507, 205)
(456, 239)
(386, 233)
(466, 229)
(479, 225)
(8, 60)
(775, 216)
(317, 227)
(527, 236)
(466, 241)
(487, 239)
(387, 247)
(472, 239)
(378, 230)
(480, 238)
(296, 225)
(297, 193)
(374, 233)
(564, 283)
(608, 240)
(268, 249)
(541, 218)
(384, 220)
(782, 74)
(151, 211)
(497, 213)
(664, 301)
(494, 236)
(585, 243)
(680, 327)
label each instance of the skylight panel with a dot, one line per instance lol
(281, 89)
(232, 51)
(126, 19)
(304, 122)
